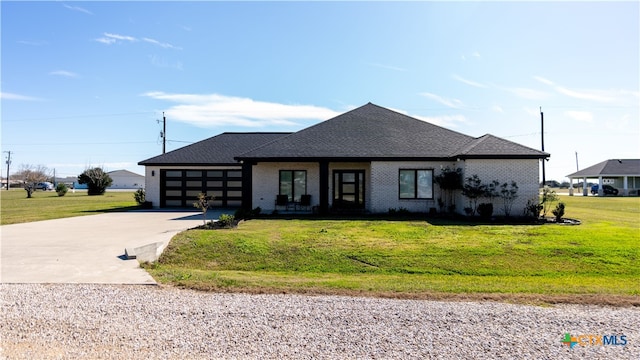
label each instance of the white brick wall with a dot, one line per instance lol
(384, 184)
(266, 177)
(524, 172)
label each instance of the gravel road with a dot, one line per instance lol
(153, 322)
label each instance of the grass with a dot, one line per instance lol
(598, 261)
(45, 205)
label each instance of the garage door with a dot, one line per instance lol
(180, 188)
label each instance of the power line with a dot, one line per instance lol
(77, 116)
(87, 143)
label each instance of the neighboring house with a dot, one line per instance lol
(622, 174)
(125, 179)
(370, 159)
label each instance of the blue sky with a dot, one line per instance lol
(85, 83)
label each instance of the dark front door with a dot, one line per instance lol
(348, 189)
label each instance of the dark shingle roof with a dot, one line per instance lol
(493, 146)
(217, 150)
(612, 167)
(374, 132)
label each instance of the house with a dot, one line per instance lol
(370, 159)
(125, 179)
(622, 174)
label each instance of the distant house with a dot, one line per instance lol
(622, 174)
(125, 179)
(370, 159)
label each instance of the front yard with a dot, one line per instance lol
(598, 261)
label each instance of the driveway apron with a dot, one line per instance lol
(86, 249)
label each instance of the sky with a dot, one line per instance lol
(86, 84)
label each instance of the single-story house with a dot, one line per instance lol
(622, 174)
(369, 159)
(125, 179)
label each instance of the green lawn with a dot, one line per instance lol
(416, 258)
(44, 205)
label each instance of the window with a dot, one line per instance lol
(293, 183)
(416, 184)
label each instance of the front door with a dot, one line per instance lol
(348, 189)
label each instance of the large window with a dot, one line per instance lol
(293, 183)
(416, 184)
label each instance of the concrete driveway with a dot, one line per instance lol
(87, 249)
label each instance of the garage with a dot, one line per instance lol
(180, 188)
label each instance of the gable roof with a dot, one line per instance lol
(216, 150)
(372, 132)
(611, 167)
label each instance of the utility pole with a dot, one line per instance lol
(164, 133)
(8, 163)
(577, 168)
(542, 134)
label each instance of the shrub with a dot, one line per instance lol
(532, 209)
(473, 189)
(485, 210)
(226, 221)
(139, 196)
(62, 189)
(559, 211)
(96, 179)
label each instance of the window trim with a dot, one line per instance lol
(415, 185)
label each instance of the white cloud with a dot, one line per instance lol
(110, 38)
(11, 96)
(582, 116)
(543, 80)
(162, 63)
(106, 40)
(210, 110)
(64, 73)
(468, 82)
(77, 8)
(603, 96)
(452, 103)
(161, 44)
(476, 54)
(497, 108)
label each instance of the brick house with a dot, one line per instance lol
(370, 159)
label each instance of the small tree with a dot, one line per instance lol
(449, 180)
(31, 176)
(61, 189)
(508, 194)
(203, 203)
(96, 179)
(558, 212)
(549, 197)
(473, 189)
(139, 196)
